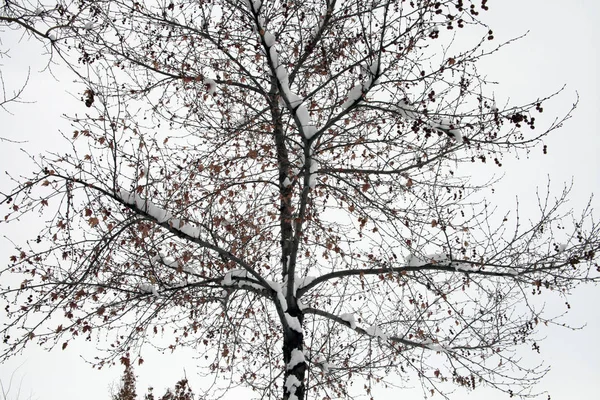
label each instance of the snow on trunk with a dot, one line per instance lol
(297, 357)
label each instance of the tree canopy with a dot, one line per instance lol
(285, 187)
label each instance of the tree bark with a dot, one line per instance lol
(293, 378)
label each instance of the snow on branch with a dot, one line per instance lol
(376, 331)
(145, 205)
(429, 344)
(300, 111)
(172, 263)
(356, 93)
(242, 279)
(373, 331)
(446, 126)
(148, 288)
(464, 267)
(443, 260)
(349, 318)
(161, 215)
(210, 85)
(437, 258)
(407, 111)
(321, 362)
(440, 259)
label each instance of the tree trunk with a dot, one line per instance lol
(295, 364)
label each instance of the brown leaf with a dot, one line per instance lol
(93, 221)
(64, 345)
(434, 223)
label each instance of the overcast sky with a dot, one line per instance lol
(561, 49)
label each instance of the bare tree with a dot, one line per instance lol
(12, 96)
(12, 390)
(283, 186)
(9, 95)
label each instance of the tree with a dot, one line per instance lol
(8, 391)
(127, 388)
(283, 186)
(9, 96)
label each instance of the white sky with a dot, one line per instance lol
(561, 49)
